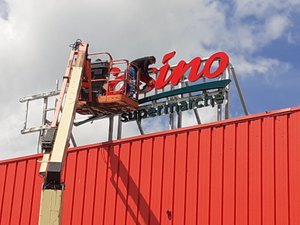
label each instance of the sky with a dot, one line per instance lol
(262, 39)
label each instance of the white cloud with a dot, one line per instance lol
(275, 26)
(264, 9)
(34, 52)
(259, 66)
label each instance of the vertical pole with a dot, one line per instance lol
(179, 119)
(44, 118)
(110, 128)
(56, 99)
(227, 76)
(171, 121)
(219, 112)
(179, 114)
(220, 107)
(119, 132)
(155, 90)
(171, 116)
(26, 115)
(38, 144)
(137, 83)
(45, 106)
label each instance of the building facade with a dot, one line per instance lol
(240, 171)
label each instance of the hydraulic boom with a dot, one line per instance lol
(86, 89)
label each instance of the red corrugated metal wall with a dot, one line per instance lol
(243, 171)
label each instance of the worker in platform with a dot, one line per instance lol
(140, 65)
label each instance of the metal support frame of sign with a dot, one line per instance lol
(175, 118)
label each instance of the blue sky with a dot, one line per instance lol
(262, 39)
(277, 89)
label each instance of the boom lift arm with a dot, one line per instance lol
(60, 132)
(79, 93)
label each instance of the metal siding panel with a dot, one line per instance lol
(18, 190)
(9, 193)
(29, 191)
(229, 174)
(255, 172)
(79, 187)
(281, 170)
(68, 195)
(121, 185)
(180, 179)
(38, 181)
(245, 171)
(204, 176)
(168, 180)
(216, 176)
(145, 184)
(90, 186)
(101, 184)
(134, 183)
(111, 191)
(3, 174)
(156, 181)
(192, 177)
(268, 175)
(294, 168)
(242, 174)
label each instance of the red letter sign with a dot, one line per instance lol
(179, 70)
(167, 75)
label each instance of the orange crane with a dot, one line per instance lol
(87, 89)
